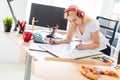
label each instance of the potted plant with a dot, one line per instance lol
(7, 23)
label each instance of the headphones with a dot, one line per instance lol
(79, 12)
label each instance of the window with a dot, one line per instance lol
(116, 11)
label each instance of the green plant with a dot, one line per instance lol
(8, 21)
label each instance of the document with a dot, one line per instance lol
(36, 47)
(68, 51)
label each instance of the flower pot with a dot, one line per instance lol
(7, 28)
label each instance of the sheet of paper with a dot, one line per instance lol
(36, 47)
(68, 51)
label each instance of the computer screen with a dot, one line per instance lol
(48, 15)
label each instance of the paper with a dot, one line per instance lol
(68, 51)
(36, 47)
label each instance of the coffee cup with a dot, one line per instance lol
(27, 36)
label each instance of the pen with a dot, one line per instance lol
(77, 46)
(51, 41)
(58, 38)
(80, 41)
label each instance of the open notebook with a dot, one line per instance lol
(68, 51)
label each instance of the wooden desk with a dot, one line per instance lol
(18, 39)
(56, 63)
(54, 70)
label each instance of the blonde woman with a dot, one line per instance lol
(84, 28)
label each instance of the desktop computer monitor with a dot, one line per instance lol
(48, 15)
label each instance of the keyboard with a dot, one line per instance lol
(37, 38)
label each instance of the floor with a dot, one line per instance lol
(13, 72)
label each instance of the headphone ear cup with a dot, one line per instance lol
(80, 13)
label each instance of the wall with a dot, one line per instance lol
(10, 52)
(107, 8)
(19, 8)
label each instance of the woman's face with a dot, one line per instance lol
(75, 20)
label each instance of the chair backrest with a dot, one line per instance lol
(108, 27)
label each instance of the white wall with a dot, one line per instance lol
(19, 8)
(107, 8)
(10, 52)
(91, 7)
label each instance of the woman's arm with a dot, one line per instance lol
(95, 44)
(68, 38)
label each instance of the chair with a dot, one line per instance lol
(108, 27)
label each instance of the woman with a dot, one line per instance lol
(84, 28)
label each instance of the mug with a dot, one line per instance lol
(27, 36)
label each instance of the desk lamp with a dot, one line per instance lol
(15, 20)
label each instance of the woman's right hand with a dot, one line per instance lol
(81, 46)
(53, 41)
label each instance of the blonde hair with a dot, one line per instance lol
(71, 13)
(85, 18)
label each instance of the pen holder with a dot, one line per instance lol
(22, 30)
(22, 26)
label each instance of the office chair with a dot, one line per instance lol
(108, 27)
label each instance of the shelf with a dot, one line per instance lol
(115, 49)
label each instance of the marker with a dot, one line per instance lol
(80, 41)
(52, 41)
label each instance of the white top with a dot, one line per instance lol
(86, 37)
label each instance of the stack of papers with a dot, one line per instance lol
(36, 47)
(67, 51)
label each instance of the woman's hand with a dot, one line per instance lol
(81, 46)
(53, 41)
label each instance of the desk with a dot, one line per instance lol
(17, 38)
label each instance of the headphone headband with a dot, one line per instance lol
(70, 9)
(80, 13)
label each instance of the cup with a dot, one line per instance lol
(27, 36)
